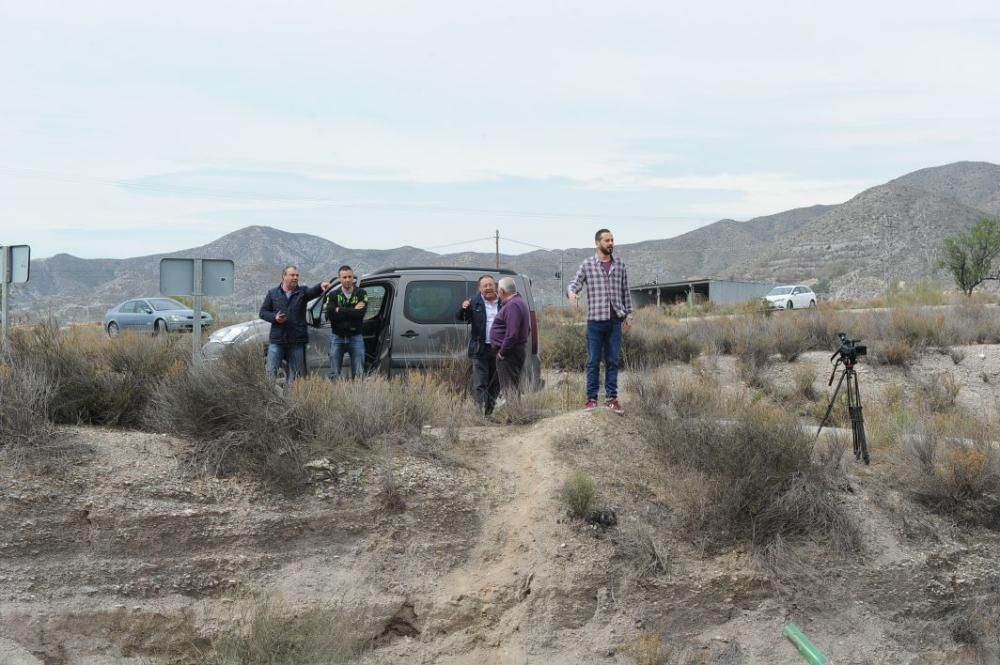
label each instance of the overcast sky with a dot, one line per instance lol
(131, 128)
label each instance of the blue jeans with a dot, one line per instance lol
(604, 338)
(354, 345)
(293, 354)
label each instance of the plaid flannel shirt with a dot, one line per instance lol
(605, 291)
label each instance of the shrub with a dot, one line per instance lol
(578, 494)
(662, 392)
(752, 480)
(652, 345)
(25, 403)
(920, 329)
(239, 421)
(939, 392)
(954, 473)
(976, 622)
(804, 377)
(265, 631)
(695, 396)
(96, 379)
(891, 352)
(360, 413)
(652, 390)
(564, 346)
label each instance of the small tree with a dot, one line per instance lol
(969, 256)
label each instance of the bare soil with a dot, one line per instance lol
(110, 555)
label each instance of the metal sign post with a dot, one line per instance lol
(15, 267)
(4, 308)
(196, 278)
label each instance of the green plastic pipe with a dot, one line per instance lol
(806, 648)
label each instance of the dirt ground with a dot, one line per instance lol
(110, 556)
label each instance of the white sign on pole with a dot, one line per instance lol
(20, 263)
(196, 278)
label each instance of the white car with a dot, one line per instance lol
(790, 297)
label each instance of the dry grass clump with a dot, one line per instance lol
(953, 466)
(528, 408)
(976, 622)
(980, 325)
(360, 413)
(664, 393)
(26, 396)
(938, 393)
(578, 494)
(563, 346)
(658, 343)
(898, 353)
(888, 419)
(236, 417)
(921, 328)
(265, 631)
(242, 423)
(751, 480)
(804, 378)
(95, 379)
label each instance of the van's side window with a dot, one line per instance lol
(433, 301)
(376, 298)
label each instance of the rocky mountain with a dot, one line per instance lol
(886, 233)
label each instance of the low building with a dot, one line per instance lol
(693, 291)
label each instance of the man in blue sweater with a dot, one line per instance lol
(509, 337)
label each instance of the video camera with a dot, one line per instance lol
(849, 350)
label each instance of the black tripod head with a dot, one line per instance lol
(848, 352)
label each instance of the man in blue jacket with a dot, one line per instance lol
(285, 308)
(480, 310)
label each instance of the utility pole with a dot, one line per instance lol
(562, 276)
(498, 248)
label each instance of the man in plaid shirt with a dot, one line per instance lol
(609, 314)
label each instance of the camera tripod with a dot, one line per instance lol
(853, 406)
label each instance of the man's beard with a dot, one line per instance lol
(607, 251)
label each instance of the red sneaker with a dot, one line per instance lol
(615, 406)
(590, 405)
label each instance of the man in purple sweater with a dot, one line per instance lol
(509, 337)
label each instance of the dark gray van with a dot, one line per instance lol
(410, 323)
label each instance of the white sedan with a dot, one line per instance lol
(790, 297)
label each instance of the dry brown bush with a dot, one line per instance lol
(96, 379)
(563, 346)
(751, 480)
(341, 414)
(237, 419)
(265, 631)
(938, 393)
(25, 403)
(804, 377)
(953, 466)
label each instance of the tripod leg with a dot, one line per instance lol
(829, 408)
(857, 419)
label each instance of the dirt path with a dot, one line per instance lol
(518, 588)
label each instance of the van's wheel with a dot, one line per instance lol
(159, 326)
(112, 329)
(812, 303)
(789, 305)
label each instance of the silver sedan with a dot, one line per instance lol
(152, 315)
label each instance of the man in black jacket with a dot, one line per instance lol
(285, 308)
(345, 310)
(480, 310)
